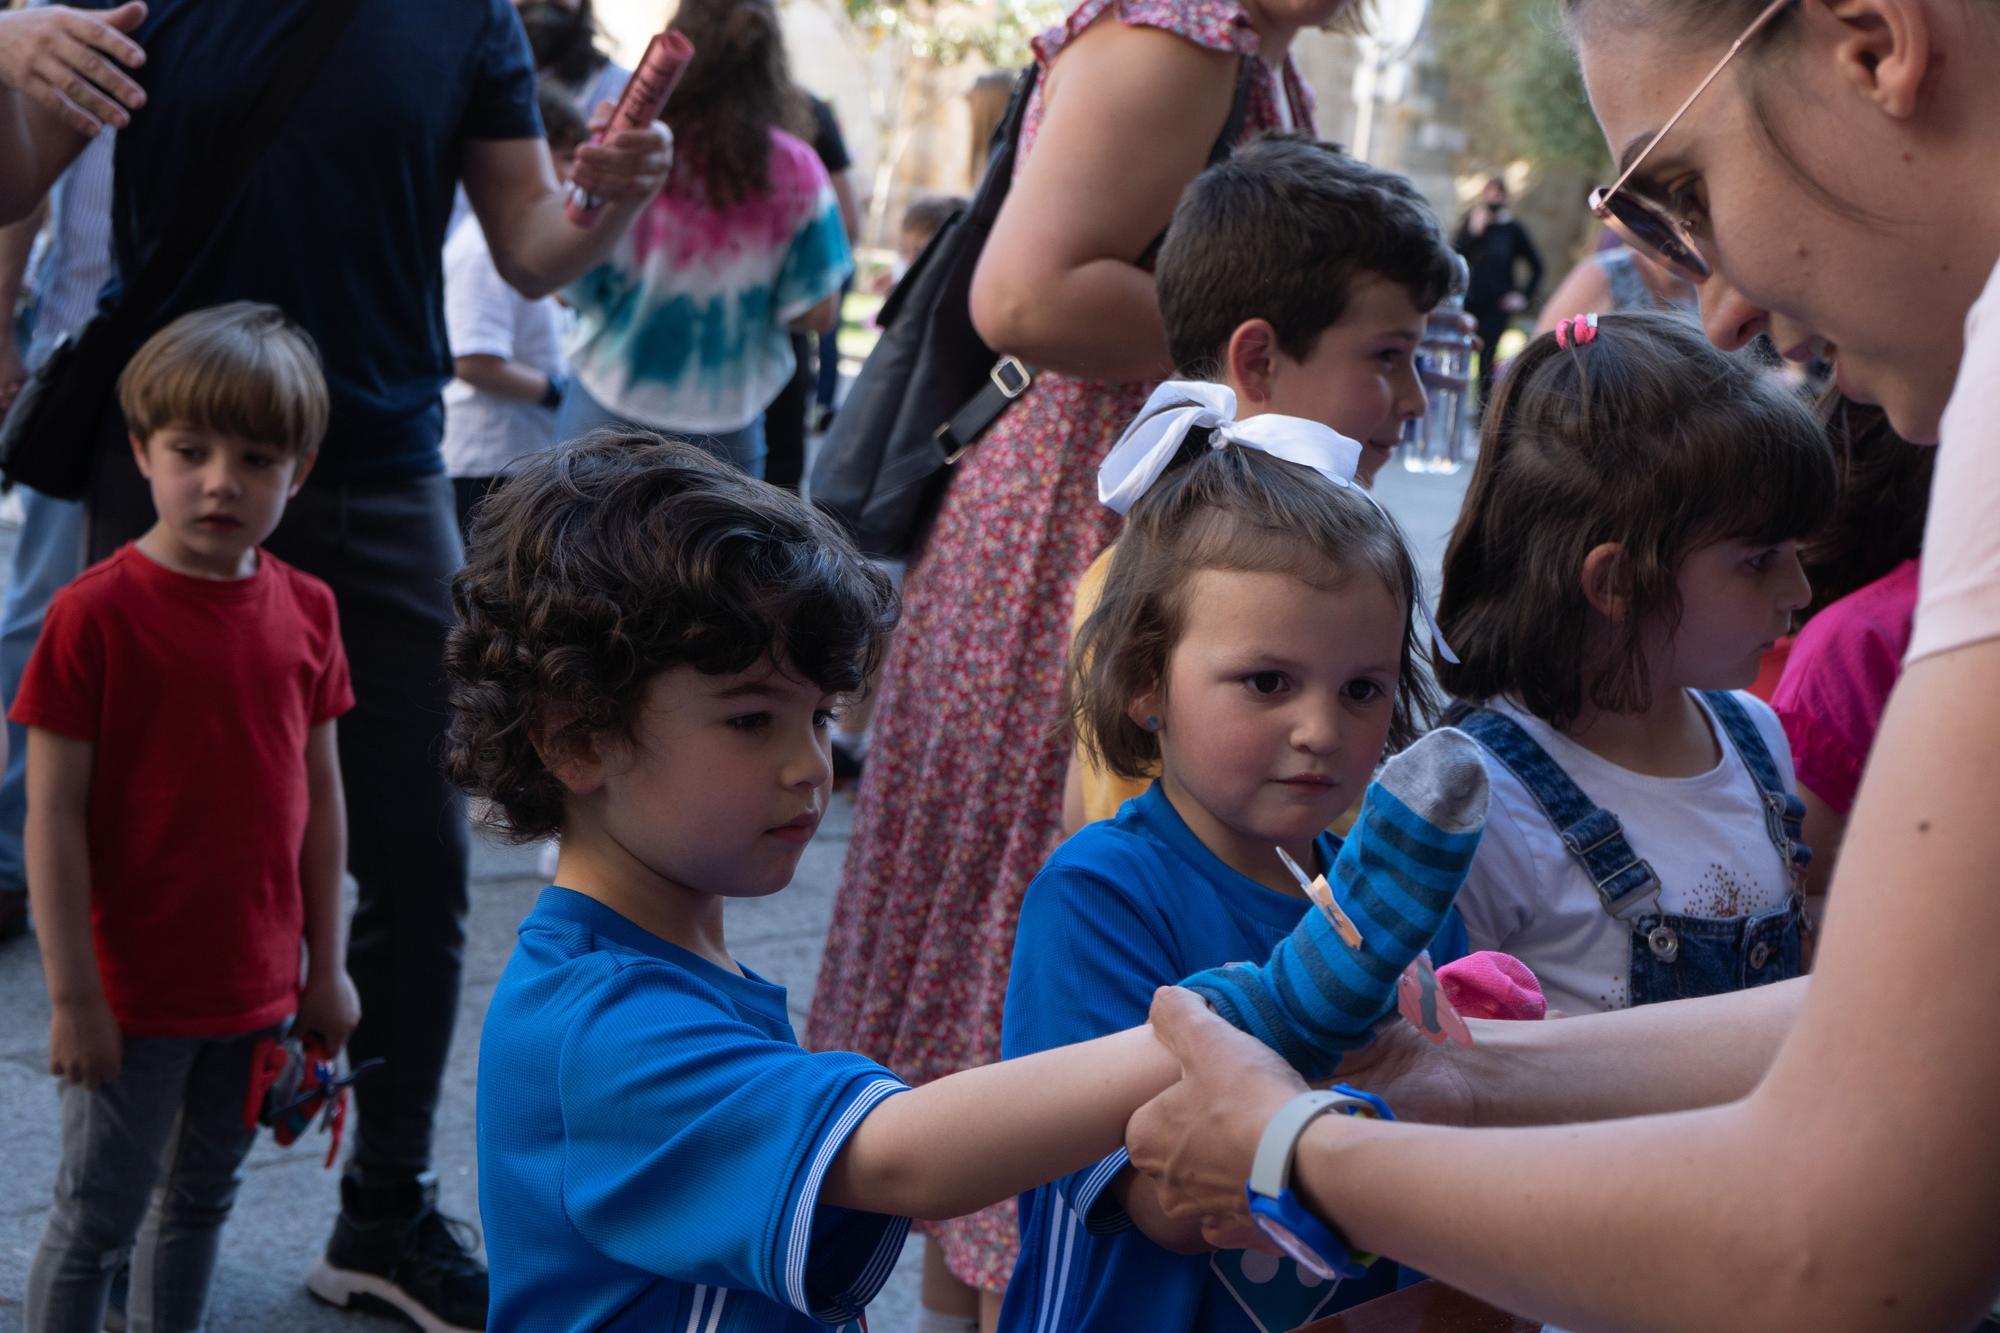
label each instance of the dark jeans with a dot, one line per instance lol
(167, 1131)
(388, 550)
(785, 419)
(466, 493)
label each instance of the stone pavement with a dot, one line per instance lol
(288, 1201)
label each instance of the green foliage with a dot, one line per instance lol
(1515, 78)
(948, 34)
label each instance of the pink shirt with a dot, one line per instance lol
(1837, 680)
(1960, 600)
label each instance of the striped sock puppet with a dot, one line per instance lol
(1396, 875)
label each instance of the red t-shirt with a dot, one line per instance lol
(1838, 680)
(198, 695)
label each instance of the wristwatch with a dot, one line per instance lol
(552, 397)
(1317, 1247)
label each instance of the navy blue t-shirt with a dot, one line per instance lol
(652, 1142)
(341, 224)
(1125, 906)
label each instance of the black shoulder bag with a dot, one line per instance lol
(49, 438)
(932, 386)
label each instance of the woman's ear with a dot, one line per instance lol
(1250, 365)
(1605, 583)
(1883, 48)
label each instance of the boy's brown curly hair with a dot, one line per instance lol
(599, 566)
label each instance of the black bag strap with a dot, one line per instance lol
(198, 218)
(1011, 377)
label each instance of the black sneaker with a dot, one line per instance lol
(394, 1253)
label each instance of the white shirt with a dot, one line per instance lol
(1959, 596)
(1704, 836)
(485, 436)
(76, 260)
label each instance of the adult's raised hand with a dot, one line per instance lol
(68, 60)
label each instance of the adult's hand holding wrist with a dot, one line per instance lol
(1198, 1138)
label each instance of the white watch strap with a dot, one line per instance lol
(1271, 1169)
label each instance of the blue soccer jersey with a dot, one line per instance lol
(652, 1141)
(1126, 906)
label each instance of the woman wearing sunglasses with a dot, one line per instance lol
(1822, 1154)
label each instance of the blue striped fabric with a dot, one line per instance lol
(1315, 998)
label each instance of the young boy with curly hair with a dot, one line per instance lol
(185, 825)
(650, 649)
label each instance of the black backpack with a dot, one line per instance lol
(932, 386)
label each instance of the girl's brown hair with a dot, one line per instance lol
(1649, 437)
(737, 89)
(1233, 509)
(1878, 520)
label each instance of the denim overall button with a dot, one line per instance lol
(1665, 943)
(1760, 954)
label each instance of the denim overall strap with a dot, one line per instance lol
(1593, 835)
(1784, 812)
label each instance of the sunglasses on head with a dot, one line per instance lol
(1646, 224)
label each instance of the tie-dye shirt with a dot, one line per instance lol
(684, 326)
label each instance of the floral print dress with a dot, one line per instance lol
(962, 797)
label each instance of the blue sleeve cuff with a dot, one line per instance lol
(1092, 1197)
(838, 1259)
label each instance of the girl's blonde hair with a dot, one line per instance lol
(1227, 509)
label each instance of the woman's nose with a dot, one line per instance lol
(1728, 317)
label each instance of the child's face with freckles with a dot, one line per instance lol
(718, 790)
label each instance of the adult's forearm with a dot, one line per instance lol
(17, 239)
(1656, 1058)
(1098, 321)
(1709, 1193)
(20, 185)
(540, 250)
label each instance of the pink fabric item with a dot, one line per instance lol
(1837, 682)
(1493, 985)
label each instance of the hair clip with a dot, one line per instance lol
(1576, 330)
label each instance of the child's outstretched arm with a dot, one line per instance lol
(85, 1045)
(1397, 873)
(969, 1140)
(978, 1137)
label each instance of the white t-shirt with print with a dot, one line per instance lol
(1704, 836)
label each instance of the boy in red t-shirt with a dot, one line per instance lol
(185, 828)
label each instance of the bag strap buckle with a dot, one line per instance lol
(1006, 368)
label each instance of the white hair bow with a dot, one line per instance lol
(1178, 407)
(1155, 438)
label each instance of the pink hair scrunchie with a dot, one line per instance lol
(1576, 330)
